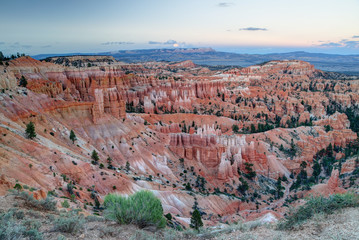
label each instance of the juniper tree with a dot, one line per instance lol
(196, 220)
(278, 192)
(95, 156)
(243, 187)
(23, 82)
(128, 166)
(30, 130)
(235, 128)
(73, 137)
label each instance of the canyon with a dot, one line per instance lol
(220, 139)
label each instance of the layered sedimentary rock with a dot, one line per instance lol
(172, 127)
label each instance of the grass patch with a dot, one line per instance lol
(318, 205)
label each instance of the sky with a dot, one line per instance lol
(251, 26)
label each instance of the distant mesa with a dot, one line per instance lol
(347, 64)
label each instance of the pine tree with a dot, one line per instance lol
(23, 82)
(196, 220)
(243, 187)
(279, 193)
(30, 130)
(95, 156)
(235, 128)
(72, 136)
(128, 166)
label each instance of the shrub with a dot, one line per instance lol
(316, 205)
(143, 209)
(10, 229)
(18, 187)
(69, 222)
(94, 218)
(44, 204)
(65, 204)
(168, 216)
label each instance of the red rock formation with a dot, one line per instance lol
(190, 113)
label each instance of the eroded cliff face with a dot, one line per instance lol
(178, 126)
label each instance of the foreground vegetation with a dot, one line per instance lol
(318, 205)
(143, 209)
(140, 216)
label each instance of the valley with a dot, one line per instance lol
(239, 144)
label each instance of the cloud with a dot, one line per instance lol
(330, 44)
(355, 36)
(351, 44)
(46, 46)
(168, 42)
(2, 43)
(253, 29)
(344, 43)
(116, 43)
(225, 4)
(154, 42)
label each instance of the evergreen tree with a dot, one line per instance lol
(243, 187)
(95, 156)
(316, 170)
(235, 128)
(253, 128)
(293, 149)
(128, 166)
(72, 136)
(279, 193)
(23, 82)
(188, 187)
(281, 148)
(303, 172)
(196, 220)
(30, 130)
(184, 129)
(250, 173)
(109, 161)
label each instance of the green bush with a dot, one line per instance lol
(65, 204)
(69, 222)
(143, 209)
(316, 205)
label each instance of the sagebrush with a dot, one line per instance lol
(317, 205)
(142, 208)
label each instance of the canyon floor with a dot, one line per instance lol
(239, 145)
